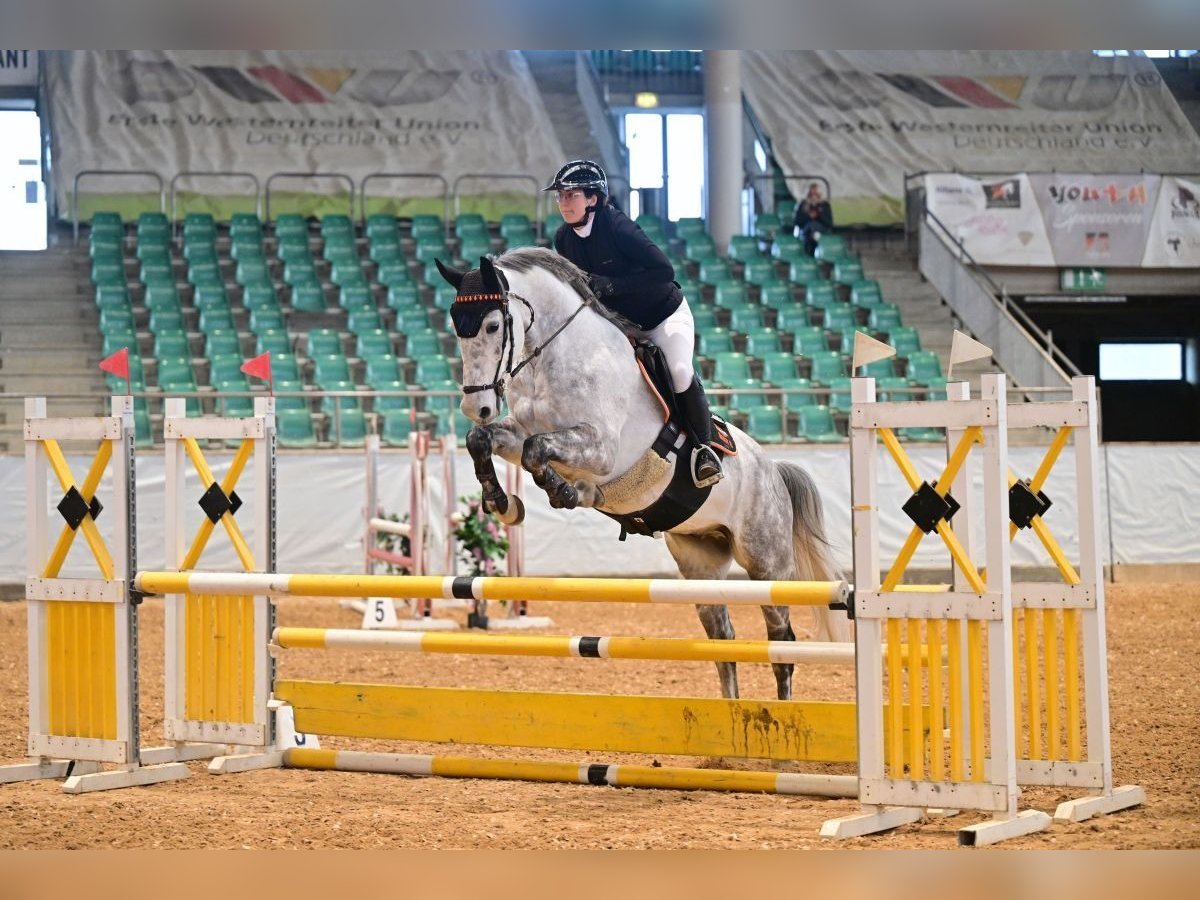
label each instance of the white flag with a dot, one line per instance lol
(965, 349)
(868, 350)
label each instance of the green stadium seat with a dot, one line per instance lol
(714, 341)
(225, 368)
(689, 287)
(786, 211)
(294, 249)
(273, 340)
(300, 271)
(443, 296)
(730, 367)
(420, 344)
(839, 316)
(382, 226)
(394, 274)
(704, 317)
(888, 388)
(112, 272)
(866, 293)
(765, 424)
(831, 247)
(820, 294)
(112, 296)
(234, 407)
(688, 227)
(294, 428)
(157, 253)
(514, 221)
(473, 247)
(372, 343)
(743, 247)
(328, 404)
(336, 223)
(176, 370)
(386, 254)
(397, 425)
(797, 400)
(921, 435)
(758, 271)
(429, 249)
(284, 368)
(816, 424)
(308, 298)
(201, 274)
(252, 271)
(260, 295)
(700, 248)
(414, 318)
(385, 405)
(346, 273)
(778, 366)
(794, 318)
(745, 318)
(925, 367)
(162, 320)
(847, 272)
(827, 366)
(363, 319)
(775, 294)
(291, 224)
(905, 339)
(263, 318)
(116, 318)
(839, 394)
(714, 270)
(356, 296)
(879, 369)
(884, 317)
(748, 394)
(172, 344)
(424, 225)
(787, 248)
(322, 342)
(403, 296)
(163, 272)
(809, 341)
(520, 238)
(765, 226)
(222, 341)
(803, 270)
(432, 369)
(550, 226)
(730, 294)
(142, 431)
(382, 368)
(349, 428)
(469, 224)
(330, 367)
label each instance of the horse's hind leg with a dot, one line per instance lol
(708, 557)
(767, 560)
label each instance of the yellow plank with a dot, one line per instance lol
(82, 669)
(1071, 665)
(780, 730)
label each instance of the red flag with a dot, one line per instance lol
(117, 364)
(259, 367)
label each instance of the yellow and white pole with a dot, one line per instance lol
(572, 590)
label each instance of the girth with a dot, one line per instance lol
(681, 499)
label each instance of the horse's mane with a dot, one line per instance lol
(524, 259)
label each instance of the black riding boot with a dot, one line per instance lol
(706, 466)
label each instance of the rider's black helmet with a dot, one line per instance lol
(580, 174)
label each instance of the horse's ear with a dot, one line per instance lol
(491, 278)
(453, 277)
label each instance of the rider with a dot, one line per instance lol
(631, 276)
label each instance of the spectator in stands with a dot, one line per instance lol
(630, 275)
(814, 217)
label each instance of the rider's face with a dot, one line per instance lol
(572, 204)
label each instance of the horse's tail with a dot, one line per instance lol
(814, 561)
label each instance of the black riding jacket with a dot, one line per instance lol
(642, 279)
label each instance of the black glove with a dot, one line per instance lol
(602, 287)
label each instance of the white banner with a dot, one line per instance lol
(1174, 238)
(865, 119)
(353, 112)
(996, 219)
(1097, 220)
(18, 68)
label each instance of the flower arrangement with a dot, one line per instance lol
(483, 546)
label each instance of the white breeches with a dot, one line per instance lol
(676, 337)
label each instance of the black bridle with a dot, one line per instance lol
(508, 341)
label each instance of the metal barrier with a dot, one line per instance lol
(111, 173)
(494, 176)
(378, 176)
(249, 175)
(336, 176)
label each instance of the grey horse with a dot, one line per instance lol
(582, 421)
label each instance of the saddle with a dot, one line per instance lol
(674, 444)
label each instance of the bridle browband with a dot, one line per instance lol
(508, 340)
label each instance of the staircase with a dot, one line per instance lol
(889, 263)
(49, 337)
(554, 73)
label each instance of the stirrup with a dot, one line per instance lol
(712, 479)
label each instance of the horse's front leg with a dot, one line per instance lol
(580, 447)
(506, 440)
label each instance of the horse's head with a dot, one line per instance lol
(488, 336)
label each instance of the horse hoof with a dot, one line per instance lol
(566, 497)
(515, 514)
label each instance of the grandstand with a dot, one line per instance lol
(346, 299)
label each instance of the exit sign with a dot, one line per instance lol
(1083, 279)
